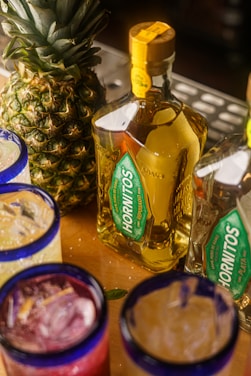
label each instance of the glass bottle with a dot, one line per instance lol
(147, 144)
(221, 225)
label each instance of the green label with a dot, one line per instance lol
(228, 260)
(127, 199)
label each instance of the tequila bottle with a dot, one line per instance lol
(221, 225)
(147, 144)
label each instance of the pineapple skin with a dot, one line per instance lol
(54, 119)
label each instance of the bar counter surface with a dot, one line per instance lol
(81, 246)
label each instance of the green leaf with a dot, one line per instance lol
(80, 17)
(115, 294)
(4, 6)
(44, 3)
(56, 33)
(93, 26)
(20, 7)
(20, 25)
(43, 18)
(65, 10)
(62, 45)
(7, 28)
(47, 32)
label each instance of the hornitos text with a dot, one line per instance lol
(228, 256)
(127, 200)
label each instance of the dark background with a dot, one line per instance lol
(213, 44)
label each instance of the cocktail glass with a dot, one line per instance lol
(53, 322)
(177, 324)
(29, 228)
(14, 164)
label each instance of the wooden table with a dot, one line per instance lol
(82, 247)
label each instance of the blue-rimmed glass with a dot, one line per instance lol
(88, 357)
(142, 362)
(46, 248)
(18, 170)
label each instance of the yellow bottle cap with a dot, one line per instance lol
(159, 38)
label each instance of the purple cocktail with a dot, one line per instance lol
(53, 322)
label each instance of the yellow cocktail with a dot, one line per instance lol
(29, 228)
(14, 164)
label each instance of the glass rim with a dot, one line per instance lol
(17, 167)
(75, 351)
(27, 250)
(153, 364)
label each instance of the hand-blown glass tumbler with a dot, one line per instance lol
(54, 322)
(14, 164)
(177, 324)
(29, 228)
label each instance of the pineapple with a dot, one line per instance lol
(53, 91)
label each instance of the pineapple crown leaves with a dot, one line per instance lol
(53, 36)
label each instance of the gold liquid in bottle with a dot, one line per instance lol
(221, 225)
(146, 147)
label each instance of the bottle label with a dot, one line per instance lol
(141, 81)
(127, 199)
(228, 260)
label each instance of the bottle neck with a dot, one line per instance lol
(160, 71)
(152, 75)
